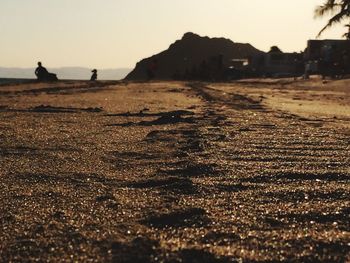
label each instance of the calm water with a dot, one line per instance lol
(4, 81)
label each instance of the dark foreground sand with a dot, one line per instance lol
(253, 171)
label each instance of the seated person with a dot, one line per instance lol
(43, 75)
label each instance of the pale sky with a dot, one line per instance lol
(119, 33)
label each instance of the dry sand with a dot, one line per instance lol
(250, 171)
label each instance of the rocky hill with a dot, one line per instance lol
(191, 54)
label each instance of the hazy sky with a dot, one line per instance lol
(118, 33)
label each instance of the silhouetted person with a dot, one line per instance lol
(43, 75)
(94, 75)
(345, 62)
(41, 72)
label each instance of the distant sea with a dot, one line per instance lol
(65, 73)
(5, 81)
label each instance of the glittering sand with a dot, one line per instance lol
(251, 171)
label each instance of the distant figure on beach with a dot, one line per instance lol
(344, 62)
(307, 70)
(41, 72)
(43, 75)
(94, 75)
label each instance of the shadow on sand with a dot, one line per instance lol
(52, 109)
(171, 117)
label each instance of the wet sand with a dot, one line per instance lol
(250, 171)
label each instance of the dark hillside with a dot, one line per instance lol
(189, 54)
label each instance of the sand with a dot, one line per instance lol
(249, 171)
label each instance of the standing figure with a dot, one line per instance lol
(94, 75)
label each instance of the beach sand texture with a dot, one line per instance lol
(248, 171)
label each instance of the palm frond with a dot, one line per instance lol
(326, 9)
(347, 34)
(334, 20)
(340, 9)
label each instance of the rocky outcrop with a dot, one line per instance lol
(192, 54)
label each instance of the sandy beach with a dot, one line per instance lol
(249, 171)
